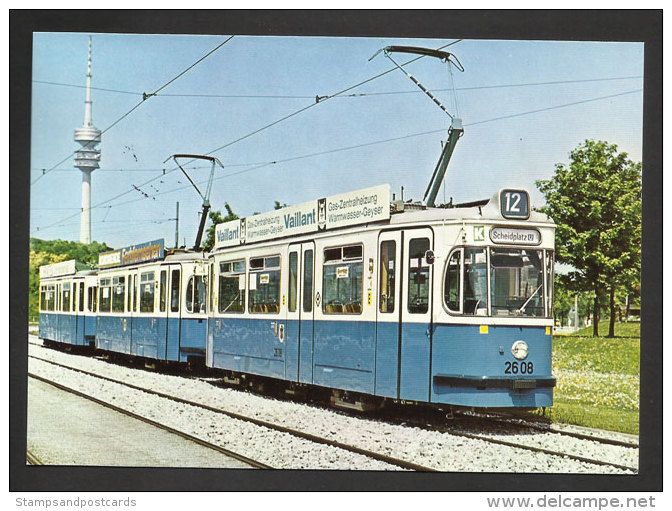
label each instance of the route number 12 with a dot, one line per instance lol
(515, 204)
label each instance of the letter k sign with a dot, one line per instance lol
(479, 233)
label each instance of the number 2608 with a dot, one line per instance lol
(518, 368)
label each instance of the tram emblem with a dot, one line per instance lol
(243, 231)
(479, 233)
(322, 214)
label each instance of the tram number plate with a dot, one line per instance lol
(518, 367)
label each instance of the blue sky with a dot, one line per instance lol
(517, 125)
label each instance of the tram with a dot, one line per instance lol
(396, 301)
(68, 296)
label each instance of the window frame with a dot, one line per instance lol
(342, 261)
(257, 271)
(231, 273)
(142, 302)
(548, 286)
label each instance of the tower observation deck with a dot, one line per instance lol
(87, 158)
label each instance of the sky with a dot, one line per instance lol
(525, 106)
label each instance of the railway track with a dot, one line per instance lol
(382, 457)
(249, 461)
(257, 422)
(526, 423)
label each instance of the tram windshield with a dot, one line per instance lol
(517, 282)
(499, 282)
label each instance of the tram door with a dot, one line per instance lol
(300, 312)
(416, 315)
(388, 313)
(173, 312)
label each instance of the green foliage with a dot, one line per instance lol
(596, 202)
(83, 253)
(217, 218)
(630, 330)
(598, 380)
(598, 354)
(53, 251)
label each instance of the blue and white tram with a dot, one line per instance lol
(153, 305)
(67, 303)
(431, 305)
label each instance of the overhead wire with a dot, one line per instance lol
(144, 98)
(357, 95)
(324, 98)
(258, 165)
(340, 94)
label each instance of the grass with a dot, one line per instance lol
(598, 379)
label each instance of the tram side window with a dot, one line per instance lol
(175, 291)
(388, 250)
(196, 295)
(65, 297)
(93, 295)
(48, 298)
(147, 292)
(129, 297)
(105, 301)
(81, 297)
(42, 298)
(475, 282)
(264, 285)
(162, 291)
(308, 281)
(135, 293)
(342, 280)
(118, 293)
(451, 290)
(418, 276)
(549, 283)
(232, 287)
(293, 280)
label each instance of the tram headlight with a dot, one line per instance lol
(519, 350)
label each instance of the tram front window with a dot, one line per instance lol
(196, 294)
(475, 282)
(517, 282)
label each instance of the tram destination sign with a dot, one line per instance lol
(133, 254)
(511, 236)
(58, 269)
(352, 208)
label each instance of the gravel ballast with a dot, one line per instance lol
(438, 450)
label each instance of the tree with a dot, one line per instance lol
(596, 202)
(217, 218)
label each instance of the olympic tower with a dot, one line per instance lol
(87, 158)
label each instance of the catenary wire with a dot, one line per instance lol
(252, 133)
(357, 95)
(145, 97)
(259, 165)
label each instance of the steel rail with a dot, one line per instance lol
(521, 422)
(258, 422)
(358, 450)
(214, 447)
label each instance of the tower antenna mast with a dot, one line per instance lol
(87, 158)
